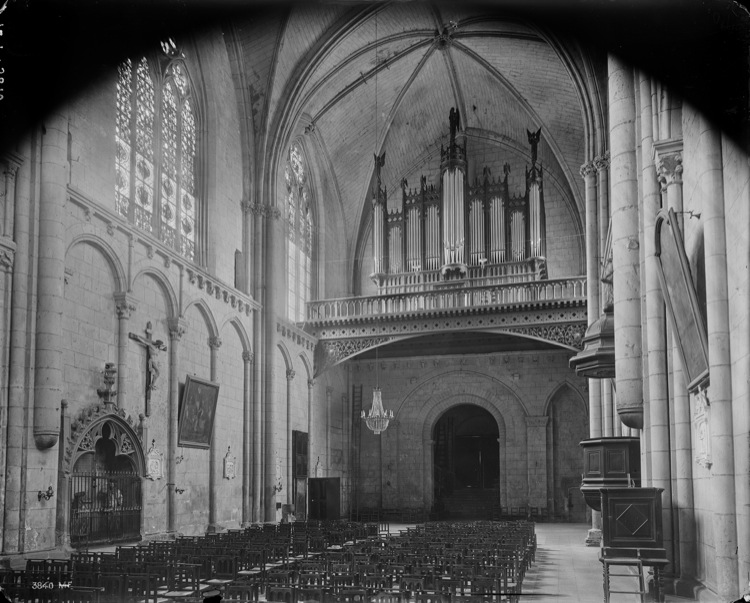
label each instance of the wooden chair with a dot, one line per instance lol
(242, 592)
(114, 587)
(185, 581)
(351, 595)
(81, 594)
(224, 571)
(285, 594)
(140, 588)
(307, 595)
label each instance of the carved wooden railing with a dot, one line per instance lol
(491, 274)
(572, 289)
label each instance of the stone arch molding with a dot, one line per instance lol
(87, 428)
(562, 388)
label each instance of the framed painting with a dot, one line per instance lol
(681, 300)
(197, 411)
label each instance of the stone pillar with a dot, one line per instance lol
(711, 186)
(593, 255)
(288, 436)
(124, 306)
(18, 389)
(247, 418)
(310, 385)
(659, 440)
(625, 244)
(177, 328)
(214, 473)
(683, 453)
(50, 291)
(428, 469)
(258, 431)
(7, 258)
(329, 393)
(536, 453)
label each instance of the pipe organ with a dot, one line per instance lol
(458, 230)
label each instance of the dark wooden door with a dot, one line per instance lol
(325, 497)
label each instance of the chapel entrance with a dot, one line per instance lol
(105, 491)
(466, 463)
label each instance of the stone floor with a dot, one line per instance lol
(567, 570)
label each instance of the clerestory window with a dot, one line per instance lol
(156, 134)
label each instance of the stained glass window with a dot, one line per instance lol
(156, 154)
(300, 231)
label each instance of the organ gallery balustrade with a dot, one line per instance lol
(466, 297)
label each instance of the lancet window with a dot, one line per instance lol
(300, 234)
(157, 153)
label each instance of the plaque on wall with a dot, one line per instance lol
(230, 462)
(154, 463)
(681, 299)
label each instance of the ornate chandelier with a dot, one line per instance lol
(377, 419)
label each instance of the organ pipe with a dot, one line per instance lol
(447, 226)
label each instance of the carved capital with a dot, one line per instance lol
(214, 343)
(11, 170)
(246, 206)
(668, 170)
(588, 170)
(310, 383)
(601, 162)
(124, 305)
(248, 357)
(290, 374)
(177, 328)
(7, 258)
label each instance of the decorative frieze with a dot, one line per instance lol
(295, 334)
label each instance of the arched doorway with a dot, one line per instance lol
(105, 486)
(466, 463)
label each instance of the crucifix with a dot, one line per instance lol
(153, 366)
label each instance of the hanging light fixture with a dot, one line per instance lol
(377, 419)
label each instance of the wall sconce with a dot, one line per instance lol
(46, 495)
(179, 490)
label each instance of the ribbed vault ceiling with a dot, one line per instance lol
(374, 78)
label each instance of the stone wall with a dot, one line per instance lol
(515, 388)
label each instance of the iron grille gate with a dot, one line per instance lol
(105, 507)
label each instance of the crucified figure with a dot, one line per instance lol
(153, 347)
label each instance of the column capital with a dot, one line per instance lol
(124, 305)
(214, 342)
(601, 162)
(588, 170)
(668, 160)
(247, 206)
(7, 259)
(310, 383)
(290, 374)
(177, 328)
(248, 357)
